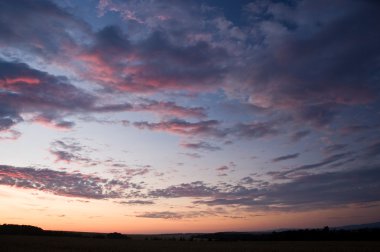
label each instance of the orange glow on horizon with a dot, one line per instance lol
(52, 212)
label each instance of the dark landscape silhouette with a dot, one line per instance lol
(366, 232)
(14, 238)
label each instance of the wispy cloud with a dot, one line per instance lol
(286, 157)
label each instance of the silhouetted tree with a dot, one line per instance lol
(116, 235)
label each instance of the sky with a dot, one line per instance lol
(163, 116)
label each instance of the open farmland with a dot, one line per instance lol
(53, 244)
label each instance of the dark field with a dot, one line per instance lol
(34, 243)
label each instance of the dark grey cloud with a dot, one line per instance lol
(328, 160)
(317, 115)
(334, 147)
(286, 157)
(200, 146)
(317, 191)
(173, 215)
(137, 202)
(295, 137)
(212, 128)
(132, 172)
(192, 155)
(69, 150)
(316, 66)
(351, 129)
(247, 180)
(223, 171)
(223, 168)
(40, 27)
(373, 150)
(8, 116)
(162, 63)
(255, 130)
(194, 189)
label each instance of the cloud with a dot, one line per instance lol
(137, 202)
(287, 157)
(328, 160)
(289, 72)
(273, 59)
(295, 137)
(121, 60)
(48, 97)
(192, 155)
(158, 107)
(310, 192)
(200, 146)
(161, 215)
(182, 127)
(255, 130)
(334, 147)
(9, 134)
(373, 150)
(51, 122)
(132, 172)
(247, 180)
(57, 32)
(355, 128)
(57, 182)
(117, 62)
(194, 189)
(8, 116)
(223, 168)
(173, 215)
(172, 109)
(211, 128)
(51, 98)
(69, 150)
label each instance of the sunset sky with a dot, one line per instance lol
(157, 116)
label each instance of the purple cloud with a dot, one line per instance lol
(57, 182)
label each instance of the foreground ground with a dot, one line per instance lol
(53, 244)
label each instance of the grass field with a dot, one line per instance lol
(53, 244)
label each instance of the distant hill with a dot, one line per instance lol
(359, 226)
(20, 229)
(361, 232)
(12, 229)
